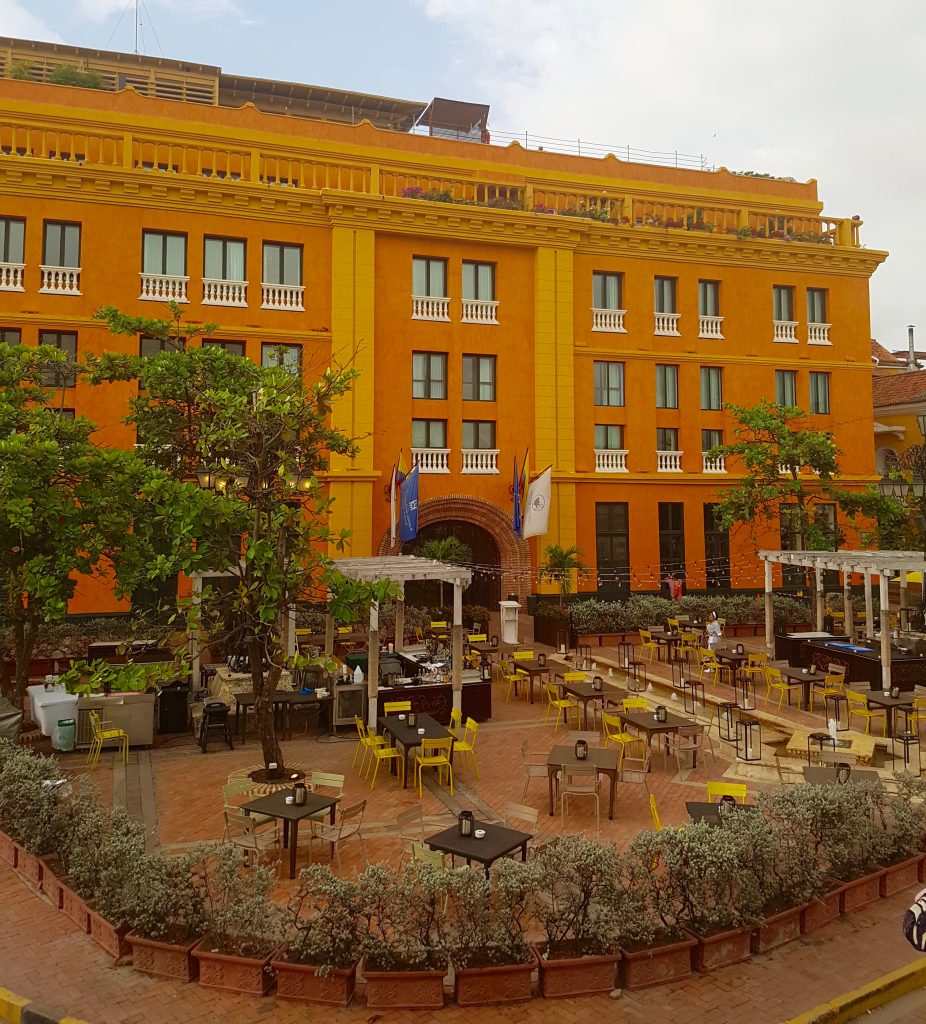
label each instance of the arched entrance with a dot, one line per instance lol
(486, 587)
(514, 555)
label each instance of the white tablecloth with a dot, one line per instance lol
(50, 706)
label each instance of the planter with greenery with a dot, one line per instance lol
(242, 925)
(903, 817)
(121, 855)
(102, 677)
(317, 962)
(576, 902)
(559, 565)
(484, 924)
(400, 911)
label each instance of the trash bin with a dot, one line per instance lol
(64, 734)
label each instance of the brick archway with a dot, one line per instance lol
(515, 554)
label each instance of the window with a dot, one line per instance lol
(10, 336)
(666, 387)
(478, 378)
(148, 346)
(478, 281)
(664, 298)
(711, 439)
(287, 356)
(224, 260)
(786, 387)
(609, 383)
(162, 253)
(667, 439)
(429, 374)
(282, 263)
(12, 233)
(671, 539)
(479, 434)
(429, 433)
(609, 437)
(233, 348)
(612, 546)
(783, 302)
(791, 540)
(607, 290)
(716, 550)
(65, 414)
(711, 387)
(429, 277)
(820, 393)
(61, 246)
(816, 306)
(58, 376)
(708, 298)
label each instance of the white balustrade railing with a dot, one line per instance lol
(669, 462)
(163, 287)
(430, 307)
(11, 277)
(282, 296)
(610, 460)
(611, 320)
(784, 470)
(224, 293)
(431, 460)
(710, 327)
(480, 311)
(666, 323)
(480, 460)
(818, 334)
(715, 464)
(785, 330)
(60, 280)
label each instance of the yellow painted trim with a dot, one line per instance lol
(861, 1000)
(11, 1006)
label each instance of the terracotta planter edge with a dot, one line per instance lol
(739, 941)
(303, 983)
(594, 974)
(411, 990)
(634, 964)
(499, 983)
(250, 975)
(164, 959)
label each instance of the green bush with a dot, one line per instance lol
(67, 74)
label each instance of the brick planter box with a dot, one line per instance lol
(52, 885)
(563, 977)
(862, 891)
(251, 975)
(409, 990)
(821, 911)
(7, 850)
(107, 935)
(721, 949)
(481, 986)
(658, 965)
(28, 867)
(777, 929)
(75, 907)
(165, 959)
(304, 983)
(903, 875)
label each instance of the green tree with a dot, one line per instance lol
(445, 549)
(67, 74)
(559, 565)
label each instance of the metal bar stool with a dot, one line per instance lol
(908, 741)
(748, 739)
(819, 738)
(692, 693)
(726, 720)
(836, 709)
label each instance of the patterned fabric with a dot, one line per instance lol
(914, 923)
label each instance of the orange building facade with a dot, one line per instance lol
(496, 300)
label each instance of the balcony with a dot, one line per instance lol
(224, 293)
(282, 296)
(710, 327)
(60, 281)
(11, 277)
(431, 460)
(431, 307)
(666, 324)
(715, 464)
(609, 320)
(818, 334)
(610, 460)
(479, 311)
(482, 461)
(786, 331)
(163, 287)
(669, 462)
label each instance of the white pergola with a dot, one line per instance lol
(403, 569)
(886, 565)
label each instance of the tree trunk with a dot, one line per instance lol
(25, 630)
(265, 684)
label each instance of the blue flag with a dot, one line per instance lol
(517, 500)
(408, 511)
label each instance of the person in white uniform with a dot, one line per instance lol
(714, 631)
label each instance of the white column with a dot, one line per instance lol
(885, 631)
(869, 608)
(291, 635)
(848, 614)
(194, 637)
(902, 616)
(769, 611)
(400, 622)
(818, 579)
(456, 645)
(373, 662)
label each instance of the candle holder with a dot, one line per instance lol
(542, 660)
(583, 655)
(748, 739)
(412, 718)
(562, 641)
(598, 684)
(836, 709)
(485, 670)
(662, 714)
(908, 742)
(494, 640)
(843, 772)
(745, 689)
(581, 750)
(726, 720)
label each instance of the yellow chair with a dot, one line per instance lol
(240, 788)
(776, 681)
(615, 732)
(439, 629)
(384, 753)
(710, 666)
(523, 656)
(648, 644)
(634, 704)
(755, 667)
(654, 813)
(466, 747)
(858, 705)
(456, 721)
(716, 790)
(919, 712)
(394, 706)
(573, 677)
(419, 634)
(512, 677)
(688, 645)
(423, 855)
(476, 638)
(434, 754)
(564, 707)
(366, 739)
(833, 682)
(105, 732)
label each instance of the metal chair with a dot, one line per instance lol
(718, 790)
(579, 780)
(434, 754)
(393, 707)
(466, 747)
(244, 833)
(347, 825)
(535, 766)
(107, 732)
(215, 719)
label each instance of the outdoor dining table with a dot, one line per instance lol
(408, 737)
(604, 760)
(275, 806)
(534, 670)
(732, 657)
(710, 814)
(670, 640)
(823, 775)
(585, 692)
(646, 721)
(498, 841)
(806, 679)
(890, 704)
(283, 703)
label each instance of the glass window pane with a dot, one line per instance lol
(234, 261)
(176, 255)
(469, 280)
(438, 376)
(418, 375)
(486, 281)
(469, 434)
(152, 252)
(438, 434)
(213, 259)
(13, 242)
(437, 278)
(52, 244)
(419, 277)
(71, 246)
(292, 264)
(419, 434)
(487, 379)
(271, 263)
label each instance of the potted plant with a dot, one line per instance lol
(903, 817)
(484, 924)
(575, 903)
(167, 916)
(121, 852)
(242, 925)
(404, 962)
(317, 962)
(80, 856)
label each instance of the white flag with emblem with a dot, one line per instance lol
(536, 512)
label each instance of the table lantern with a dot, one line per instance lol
(740, 649)
(895, 692)
(465, 820)
(300, 794)
(412, 718)
(494, 640)
(485, 670)
(661, 713)
(541, 659)
(597, 684)
(581, 750)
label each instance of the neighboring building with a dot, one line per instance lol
(495, 299)
(899, 401)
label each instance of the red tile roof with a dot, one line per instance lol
(899, 388)
(881, 357)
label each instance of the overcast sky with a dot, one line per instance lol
(827, 89)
